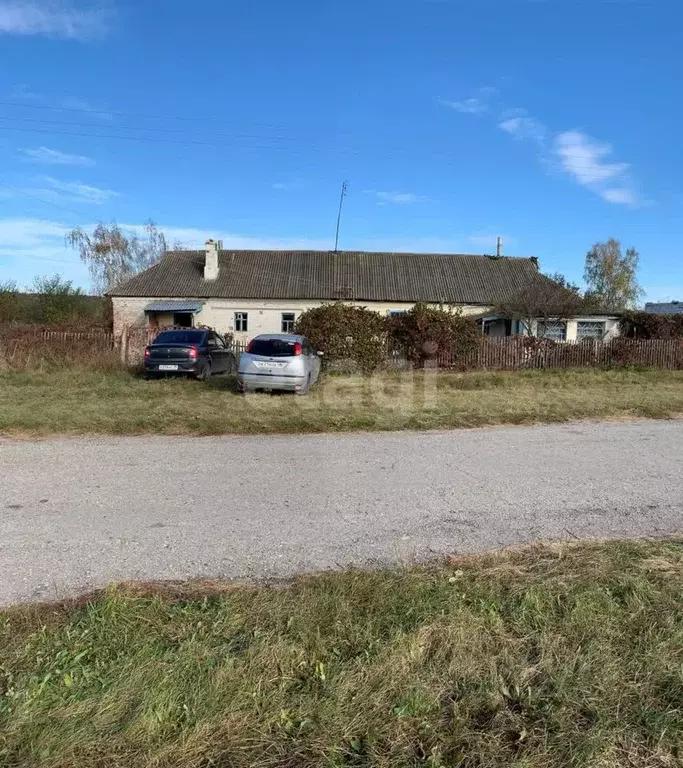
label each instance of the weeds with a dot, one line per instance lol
(553, 656)
(78, 400)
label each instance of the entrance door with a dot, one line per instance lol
(182, 319)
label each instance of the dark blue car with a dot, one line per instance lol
(193, 352)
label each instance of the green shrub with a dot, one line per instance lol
(59, 301)
(348, 335)
(425, 332)
(9, 302)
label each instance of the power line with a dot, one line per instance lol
(141, 128)
(46, 202)
(110, 113)
(275, 147)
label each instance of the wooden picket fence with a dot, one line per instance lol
(28, 346)
(519, 353)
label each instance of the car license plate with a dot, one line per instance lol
(168, 367)
(262, 364)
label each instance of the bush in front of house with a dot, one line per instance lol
(350, 336)
(644, 325)
(425, 332)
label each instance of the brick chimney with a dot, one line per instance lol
(211, 259)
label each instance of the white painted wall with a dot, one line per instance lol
(263, 316)
(266, 316)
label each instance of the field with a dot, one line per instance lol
(549, 657)
(70, 401)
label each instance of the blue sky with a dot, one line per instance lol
(554, 123)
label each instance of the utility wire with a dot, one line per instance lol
(192, 142)
(23, 192)
(110, 113)
(141, 128)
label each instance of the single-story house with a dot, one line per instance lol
(664, 308)
(250, 292)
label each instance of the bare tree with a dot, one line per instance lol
(612, 277)
(113, 255)
(546, 300)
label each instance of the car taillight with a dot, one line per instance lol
(148, 354)
(193, 353)
(297, 348)
(250, 345)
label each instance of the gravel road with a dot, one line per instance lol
(78, 513)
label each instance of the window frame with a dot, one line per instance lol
(546, 325)
(283, 321)
(240, 319)
(591, 337)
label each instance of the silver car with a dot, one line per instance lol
(279, 361)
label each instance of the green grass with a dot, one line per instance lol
(83, 402)
(554, 656)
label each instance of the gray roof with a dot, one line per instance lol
(666, 308)
(325, 275)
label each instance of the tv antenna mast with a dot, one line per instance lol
(344, 187)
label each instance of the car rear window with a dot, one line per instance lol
(272, 347)
(180, 337)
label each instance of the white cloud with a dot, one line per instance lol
(55, 157)
(585, 159)
(522, 126)
(30, 247)
(27, 233)
(286, 186)
(619, 195)
(60, 192)
(77, 192)
(81, 105)
(23, 91)
(475, 105)
(52, 19)
(397, 198)
(471, 106)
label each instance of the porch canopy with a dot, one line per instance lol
(174, 306)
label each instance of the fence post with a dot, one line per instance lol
(124, 345)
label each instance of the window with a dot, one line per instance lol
(241, 322)
(272, 347)
(393, 312)
(180, 337)
(554, 331)
(215, 341)
(589, 330)
(288, 322)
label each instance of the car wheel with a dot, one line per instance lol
(304, 391)
(205, 373)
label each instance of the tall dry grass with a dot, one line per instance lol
(83, 401)
(49, 348)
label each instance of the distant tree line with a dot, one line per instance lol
(51, 300)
